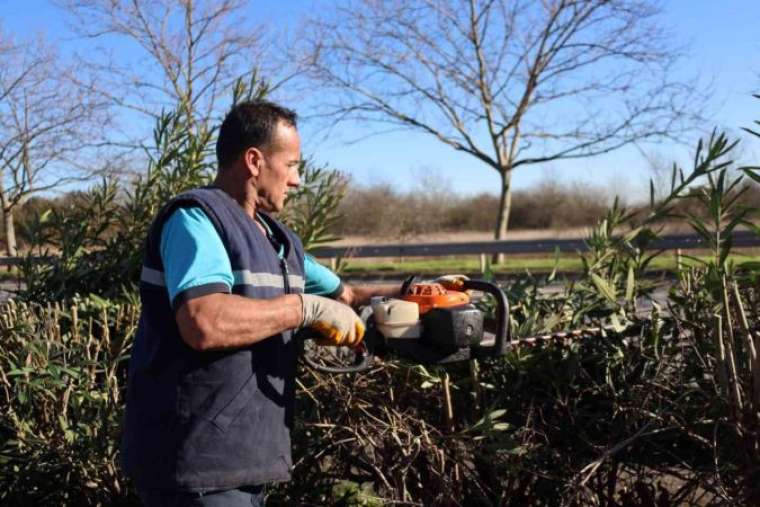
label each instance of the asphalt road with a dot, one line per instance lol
(6, 289)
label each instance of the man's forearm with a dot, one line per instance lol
(227, 321)
(358, 295)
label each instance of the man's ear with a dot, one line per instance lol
(253, 159)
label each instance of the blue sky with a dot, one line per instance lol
(723, 45)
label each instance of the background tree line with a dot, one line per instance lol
(389, 214)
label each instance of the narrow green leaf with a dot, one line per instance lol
(496, 414)
(752, 173)
(604, 288)
(630, 285)
(616, 324)
(553, 274)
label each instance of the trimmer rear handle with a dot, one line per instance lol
(363, 357)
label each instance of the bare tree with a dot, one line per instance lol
(187, 52)
(660, 171)
(49, 127)
(512, 83)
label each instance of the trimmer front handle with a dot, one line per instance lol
(501, 342)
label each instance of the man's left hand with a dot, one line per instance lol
(452, 282)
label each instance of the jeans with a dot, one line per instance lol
(249, 496)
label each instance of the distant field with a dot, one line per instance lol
(568, 262)
(8, 273)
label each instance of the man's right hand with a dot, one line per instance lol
(337, 323)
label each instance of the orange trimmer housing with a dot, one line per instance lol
(434, 295)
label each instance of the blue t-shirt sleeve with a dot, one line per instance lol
(194, 257)
(320, 280)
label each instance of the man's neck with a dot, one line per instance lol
(240, 193)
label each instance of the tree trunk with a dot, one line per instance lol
(10, 233)
(505, 205)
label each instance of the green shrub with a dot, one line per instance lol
(63, 371)
(313, 209)
(97, 239)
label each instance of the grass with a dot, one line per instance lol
(535, 264)
(8, 273)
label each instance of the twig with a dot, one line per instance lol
(449, 410)
(721, 366)
(721, 489)
(731, 355)
(592, 467)
(754, 362)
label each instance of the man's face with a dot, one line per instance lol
(279, 170)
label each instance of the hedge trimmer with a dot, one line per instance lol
(431, 325)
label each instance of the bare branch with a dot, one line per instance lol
(510, 82)
(44, 118)
(191, 52)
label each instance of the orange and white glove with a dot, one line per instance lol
(452, 282)
(336, 323)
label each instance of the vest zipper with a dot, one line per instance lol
(285, 274)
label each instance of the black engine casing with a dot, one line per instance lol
(453, 328)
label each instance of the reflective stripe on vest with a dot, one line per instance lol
(242, 277)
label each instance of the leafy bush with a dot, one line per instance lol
(628, 417)
(312, 210)
(97, 238)
(63, 371)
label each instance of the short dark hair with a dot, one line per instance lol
(249, 124)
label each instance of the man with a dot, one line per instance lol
(211, 377)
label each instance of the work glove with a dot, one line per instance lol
(336, 323)
(452, 282)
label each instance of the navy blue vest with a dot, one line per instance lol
(199, 421)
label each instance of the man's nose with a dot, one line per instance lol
(295, 178)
